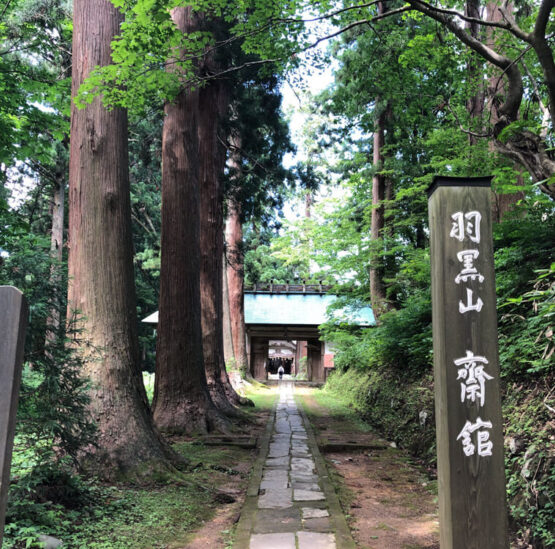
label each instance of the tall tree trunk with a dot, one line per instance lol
(377, 287)
(229, 352)
(213, 105)
(501, 203)
(101, 286)
(182, 402)
(236, 272)
(56, 252)
(308, 199)
(475, 104)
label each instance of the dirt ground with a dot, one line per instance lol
(389, 502)
(217, 532)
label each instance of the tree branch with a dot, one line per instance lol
(515, 89)
(544, 52)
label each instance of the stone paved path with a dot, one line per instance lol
(291, 503)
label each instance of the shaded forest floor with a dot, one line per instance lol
(389, 502)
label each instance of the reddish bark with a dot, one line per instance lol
(236, 282)
(181, 399)
(213, 104)
(101, 283)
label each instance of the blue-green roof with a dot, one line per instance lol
(295, 310)
(300, 309)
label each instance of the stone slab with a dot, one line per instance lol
(274, 484)
(311, 540)
(312, 512)
(303, 477)
(277, 520)
(304, 466)
(273, 541)
(277, 463)
(279, 449)
(308, 495)
(305, 486)
(274, 473)
(275, 499)
(321, 524)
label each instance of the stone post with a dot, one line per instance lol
(13, 323)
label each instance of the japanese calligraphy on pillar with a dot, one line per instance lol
(466, 366)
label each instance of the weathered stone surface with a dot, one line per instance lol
(302, 465)
(277, 463)
(274, 484)
(308, 495)
(279, 449)
(311, 540)
(296, 485)
(13, 322)
(273, 541)
(321, 524)
(275, 499)
(275, 474)
(303, 477)
(312, 512)
(278, 520)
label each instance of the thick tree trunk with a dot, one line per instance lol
(213, 104)
(181, 399)
(101, 286)
(500, 203)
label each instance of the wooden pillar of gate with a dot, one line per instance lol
(466, 366)
(259, 357)
(13, 322)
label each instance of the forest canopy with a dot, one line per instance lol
(131, 128)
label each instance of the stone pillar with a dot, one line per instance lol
(13, 324)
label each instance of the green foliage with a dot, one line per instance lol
(109, 517)
(385, 372)
(400, 410)
(525, 287)
(529, 460)
(53, 423)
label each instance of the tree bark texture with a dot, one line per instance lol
(500, 203)
(213, 105)
(56, 252)
(181, 399)
(229, 352)
(236, 282)
(101, 286)
(377, 287)
(475, 104)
